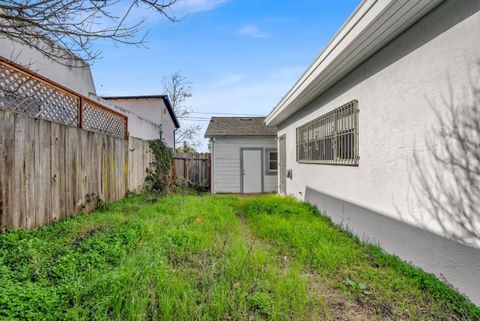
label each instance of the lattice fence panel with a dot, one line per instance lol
(101, 119)
(22, 93)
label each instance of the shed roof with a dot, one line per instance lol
(239, 126)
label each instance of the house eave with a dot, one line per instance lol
(165, 98)
(373, 25)
(238, 136)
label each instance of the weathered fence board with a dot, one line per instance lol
(49, 171)
(195, 168)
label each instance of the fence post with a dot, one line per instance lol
(126, 128)
(209, 171)
(174, 167)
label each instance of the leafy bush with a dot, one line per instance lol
(159, 175)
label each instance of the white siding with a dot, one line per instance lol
(226, 162)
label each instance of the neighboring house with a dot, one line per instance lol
(352, 131)
(155, 108)
(244, 155)
(78, 78)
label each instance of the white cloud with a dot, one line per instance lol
(194, 6)
(252, 31)
(231, 79)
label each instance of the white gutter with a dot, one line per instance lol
(372, 25)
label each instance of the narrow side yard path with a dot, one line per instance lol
(323, 303)
(211, 258)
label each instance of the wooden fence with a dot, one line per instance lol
(49, 171)
(195, 168)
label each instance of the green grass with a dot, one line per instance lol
(210, 258)
(390, 287)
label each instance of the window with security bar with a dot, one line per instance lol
(331, 138)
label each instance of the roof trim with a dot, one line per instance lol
(165, 99)
(238, 135)
(167, 102)
(372, 25)
(238, 127)
(136, 97)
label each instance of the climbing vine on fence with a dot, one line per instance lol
(159, 175)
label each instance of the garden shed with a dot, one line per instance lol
(244, 155)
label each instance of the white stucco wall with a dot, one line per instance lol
(436, 60)
(151, 109)
(78, 79)
(168, 128)
(226, 162)
(138, 126)
(394, 88)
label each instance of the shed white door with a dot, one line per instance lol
(252, 171)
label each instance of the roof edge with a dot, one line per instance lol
(371, 26)
(165, 99)
(134, 97)
(238, 135)
(169, 105)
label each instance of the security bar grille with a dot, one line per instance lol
(331, 138)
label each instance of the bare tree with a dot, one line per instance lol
(448, 179)
(180, 90)
(65, 30)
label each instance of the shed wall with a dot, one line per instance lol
(226, 163)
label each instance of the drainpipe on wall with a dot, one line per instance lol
(160, 132)
(212, 168)
(174, 140)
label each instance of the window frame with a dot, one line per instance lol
(269, 171)
(330, 137)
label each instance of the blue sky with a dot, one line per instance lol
(241, 56)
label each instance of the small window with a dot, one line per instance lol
(272, 161)
(331, 138)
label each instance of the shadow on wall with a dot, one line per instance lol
(446, 175)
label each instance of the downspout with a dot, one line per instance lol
(212, 183)
(174, 139)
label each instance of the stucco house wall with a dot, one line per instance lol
(168, 128)
(226, 153)
(433, 62)
(77, 78)
(152, 109)
(147, 108)
(138, 126)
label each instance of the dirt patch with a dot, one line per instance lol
(339, 307)
(81, 238)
